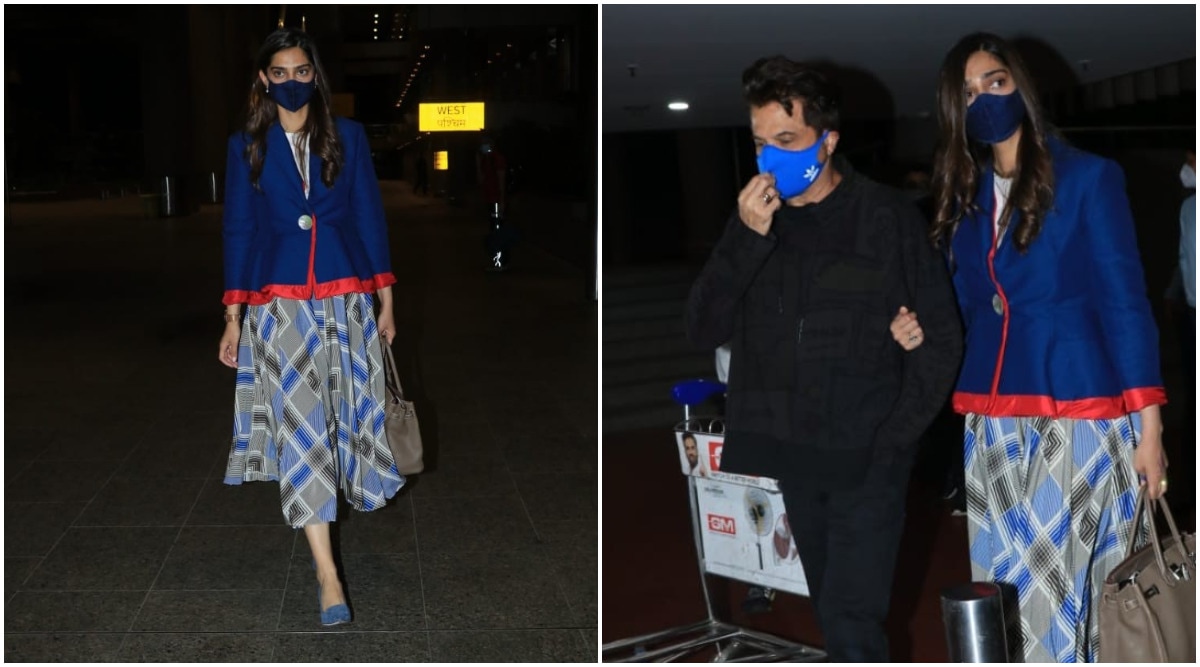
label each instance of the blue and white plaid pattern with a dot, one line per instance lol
(311, 382)
(1050, 508)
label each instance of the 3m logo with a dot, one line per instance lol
(721, 524)
(714, 454)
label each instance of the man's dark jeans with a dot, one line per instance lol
(848, 541)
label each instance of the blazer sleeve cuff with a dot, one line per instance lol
(381, 280)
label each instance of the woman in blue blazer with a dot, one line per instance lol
(305, 244)
(1060, 382)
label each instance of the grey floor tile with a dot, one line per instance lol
(22, 445)
(107, 611)
(31, 529)
(472, 524)
(475, 452)
(461, 478)
(155, 501)
(201, 426)
(352, 647)
(510, 646)
(501, 589)
(16, 570)
(563, 453)
(14, 470)
(384, 593)
(559, 497)
(531, 422)
(467, 433)
(72, 481)
(36, 408)
(104, 559)
(210, 611)
(247, 504)
(210, 558)
(77, 443)
(61, 647)
(591, 640)
(575, 533)
(388, 530)
(576, 571)
(197, 647)
(165, 458)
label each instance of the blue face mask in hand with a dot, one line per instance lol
(794, 171)
(994, 118)
(293, 94)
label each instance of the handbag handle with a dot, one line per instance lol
(392, 373)
(1155, 544)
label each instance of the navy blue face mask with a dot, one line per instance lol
(794, 171)
(292, 94)
(993, 118)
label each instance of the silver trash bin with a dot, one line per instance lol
(973, 616)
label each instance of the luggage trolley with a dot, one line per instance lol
(741, 532)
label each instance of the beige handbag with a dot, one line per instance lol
(403, 432)
(1148, 606)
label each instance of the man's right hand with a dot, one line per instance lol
(758, 202)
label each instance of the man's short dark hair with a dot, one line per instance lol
(778, 79)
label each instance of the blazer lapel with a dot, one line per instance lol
(283, 161)
(987, 202)
(316, 188)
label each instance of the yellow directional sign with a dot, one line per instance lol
(451, 117)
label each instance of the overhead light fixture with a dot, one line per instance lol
(678, 106)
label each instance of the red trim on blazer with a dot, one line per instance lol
(1107, 407)
(306, 292)
(1000, 293)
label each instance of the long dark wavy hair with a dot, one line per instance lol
(959, 163)
(261, 113)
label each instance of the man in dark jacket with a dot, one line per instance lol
(809, 273)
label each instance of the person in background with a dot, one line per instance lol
(1060, 383)
(492, 171)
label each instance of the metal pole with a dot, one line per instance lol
(973, 616)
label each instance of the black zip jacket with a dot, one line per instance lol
(818, 389)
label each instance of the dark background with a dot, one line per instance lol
(108, 100)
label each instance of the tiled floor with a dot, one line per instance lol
(122, 543)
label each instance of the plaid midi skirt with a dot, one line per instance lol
(309, 407)
(1050, 507)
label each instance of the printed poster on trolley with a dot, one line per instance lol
(743, 524)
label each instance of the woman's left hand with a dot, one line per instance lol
(1150, 462)
(386, 324)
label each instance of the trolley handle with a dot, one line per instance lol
(695, 392)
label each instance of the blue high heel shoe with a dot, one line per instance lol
(335, 615)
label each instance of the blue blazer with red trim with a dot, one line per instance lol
(1074, 336)
(268, 250)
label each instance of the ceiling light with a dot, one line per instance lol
(678, 106)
